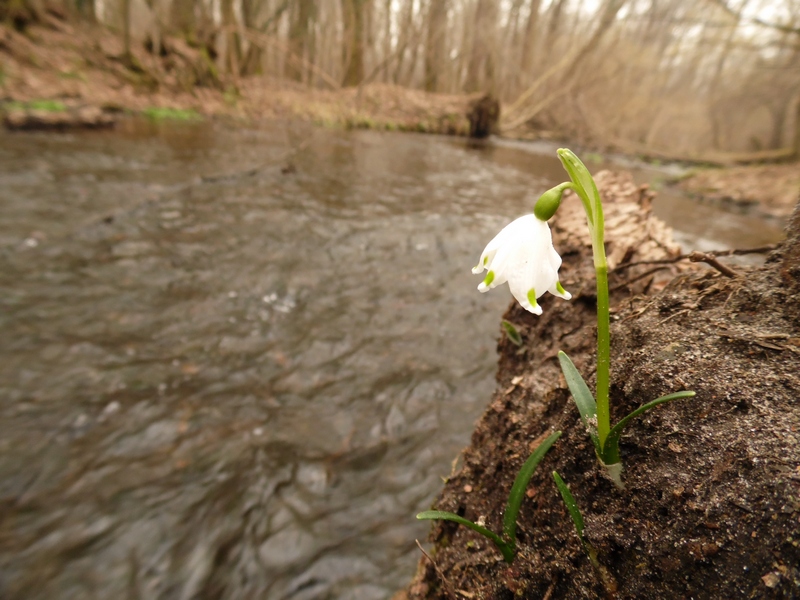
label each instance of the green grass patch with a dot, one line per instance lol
(44, 105)
(157, 113)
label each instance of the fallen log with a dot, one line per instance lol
(81, 117)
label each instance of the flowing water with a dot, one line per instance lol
(236, 362)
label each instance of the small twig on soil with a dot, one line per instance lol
(682, 432)
(711, 260)
(672, 316)
(447, 588)
(721, 414)
(741, 506)
(740, 251)
(760, 341)
(549, 591)
(713, 253)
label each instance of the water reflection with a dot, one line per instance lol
(226, 378)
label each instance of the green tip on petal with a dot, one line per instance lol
(532, 297)
(489, 279)
(560, 288)
(485, 260)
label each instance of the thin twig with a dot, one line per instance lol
(672, 316)
(447, 587)
(711, 260)
(549, 591)
(740, 251)
(713, 253)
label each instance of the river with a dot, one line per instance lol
(237, 361)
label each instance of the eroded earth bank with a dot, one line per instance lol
(712, 507)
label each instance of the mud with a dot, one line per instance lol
(712, 504)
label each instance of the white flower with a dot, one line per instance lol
(523, 255)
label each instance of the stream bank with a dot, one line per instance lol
(711, 506)
(84, 68)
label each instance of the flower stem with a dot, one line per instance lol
(586, 189)
(603, 353)
(603, 322)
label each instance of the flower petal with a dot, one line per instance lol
(522, 254)
(558, 290)
(498, 241)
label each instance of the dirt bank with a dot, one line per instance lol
(712, 504)
(80, 64)
(770, 190)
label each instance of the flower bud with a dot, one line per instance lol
(548, 203)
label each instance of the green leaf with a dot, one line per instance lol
(518, 489)
(572, 506)
(585, 185)
(505, 549)
(511, 332)
(584, 400)
(577, 519)
(611, 454)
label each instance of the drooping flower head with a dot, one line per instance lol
(523, 255)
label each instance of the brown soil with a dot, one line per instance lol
(712, 505)
(768, 189)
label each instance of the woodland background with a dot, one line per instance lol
(681, 76)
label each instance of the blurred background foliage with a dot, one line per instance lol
(683, 76)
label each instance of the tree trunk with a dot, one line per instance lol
(230, 55)
(530, 38)
(435, 47)
(86, 10)
(796, 144)
(402, 41)
(608, 14)
(126, 29)
(481, 68)
(387, 39)
(301, 31)
(353, 12)
(182, 17)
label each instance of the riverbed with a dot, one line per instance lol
(237, 361)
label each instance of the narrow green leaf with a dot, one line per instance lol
(611, 454)
(511, 332)
(585, 185)
(577, 519)
(505, 549)
(518, 489)
(572, 506)
(584, 400)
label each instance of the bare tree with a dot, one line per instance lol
(436, 44)
(353, 51)
(301, 37)
(482, 68)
